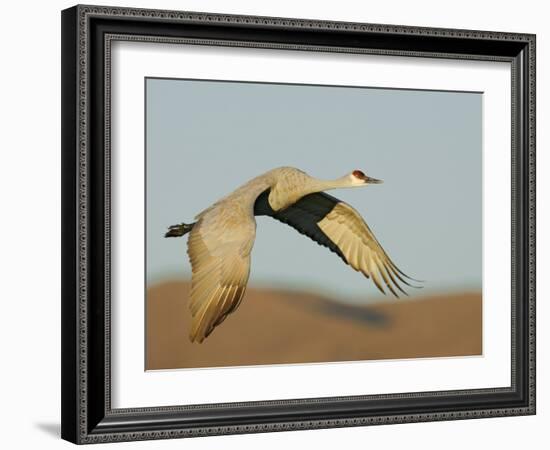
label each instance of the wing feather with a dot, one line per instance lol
(346, 228)
(219, 248)
(337, 226)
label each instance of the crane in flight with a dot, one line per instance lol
(221, 238)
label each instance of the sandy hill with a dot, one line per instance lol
(276, 327)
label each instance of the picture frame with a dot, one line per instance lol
(88, 415)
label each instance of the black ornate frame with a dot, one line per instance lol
(87, 33)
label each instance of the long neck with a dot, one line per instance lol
(325, 185)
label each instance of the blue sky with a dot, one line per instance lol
(205, 138)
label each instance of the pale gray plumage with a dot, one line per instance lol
(221, 239)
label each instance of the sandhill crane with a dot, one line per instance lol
(221, 239)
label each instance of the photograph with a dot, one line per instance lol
(277, 223)
(296, 223)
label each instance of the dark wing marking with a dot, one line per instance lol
(337, 226)
(303, 216)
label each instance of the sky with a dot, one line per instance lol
(206, 138)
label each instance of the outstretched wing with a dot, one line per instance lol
(337, 226)
(219, 249)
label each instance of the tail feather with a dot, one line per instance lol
(179, 230)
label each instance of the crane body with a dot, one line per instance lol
(221, 239)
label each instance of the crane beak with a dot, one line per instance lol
(369, 180)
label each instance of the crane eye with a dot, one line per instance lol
(358, 174)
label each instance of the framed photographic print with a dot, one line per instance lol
(277, 224)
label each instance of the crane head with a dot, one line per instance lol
(359, 176)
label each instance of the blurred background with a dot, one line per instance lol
(205, 138)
